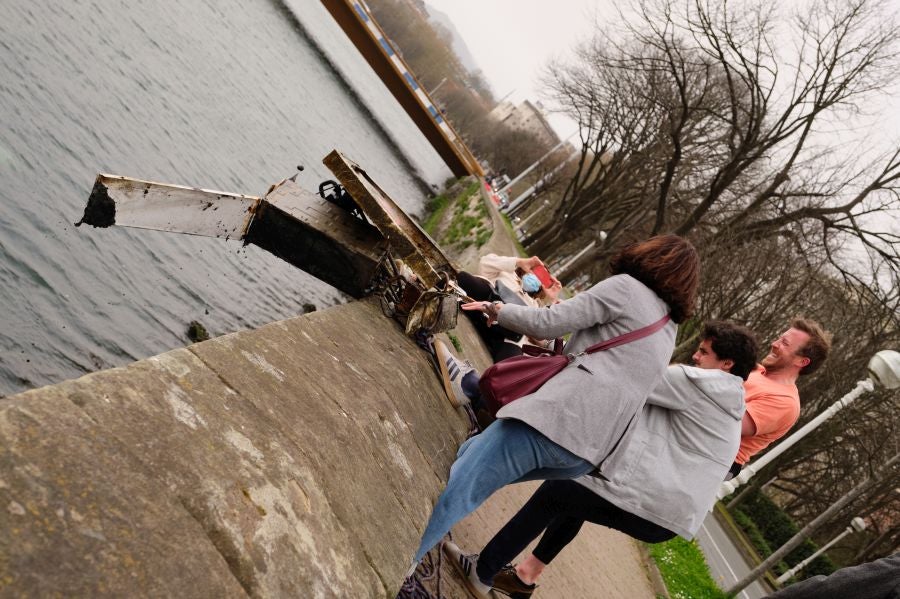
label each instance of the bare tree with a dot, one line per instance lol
(719, 133)
(724, 128)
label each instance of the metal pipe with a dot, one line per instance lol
(534, 166)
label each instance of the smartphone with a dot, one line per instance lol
(543, 275)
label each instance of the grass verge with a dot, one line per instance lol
(435, 209)
(512, 235)
(684, 570)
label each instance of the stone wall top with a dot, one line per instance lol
(298, 459)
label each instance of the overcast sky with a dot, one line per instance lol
(512, 39)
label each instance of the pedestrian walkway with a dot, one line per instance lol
(599, 563)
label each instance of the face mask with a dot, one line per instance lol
(530, 283)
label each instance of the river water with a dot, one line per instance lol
(218, 94)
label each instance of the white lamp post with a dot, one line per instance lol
(814, 525)
(884, 368)
(856, 525)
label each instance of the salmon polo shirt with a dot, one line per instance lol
(774, 408)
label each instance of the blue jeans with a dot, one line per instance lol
(508, 451)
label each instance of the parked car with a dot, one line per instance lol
(500, 181)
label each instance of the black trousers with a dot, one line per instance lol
(560, 507)
(495, 337)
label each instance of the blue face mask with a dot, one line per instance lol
(530, 283)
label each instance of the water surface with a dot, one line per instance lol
(216, 94)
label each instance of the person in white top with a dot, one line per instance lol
(660, 481)
(510, 280)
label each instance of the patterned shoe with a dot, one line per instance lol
(452, 372)
(465, 567)
(508, 582)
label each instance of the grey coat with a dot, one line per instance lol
(670, 464)
(873, 580)
(587, 407)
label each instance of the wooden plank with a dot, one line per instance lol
(134, 203)
(408, 241)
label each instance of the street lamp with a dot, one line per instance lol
(856, 525)
(438, 86)
(805, 532)
(883, 368)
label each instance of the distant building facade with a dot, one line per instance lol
(527, 116)
(418, 6)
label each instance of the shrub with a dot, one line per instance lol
(776, 528)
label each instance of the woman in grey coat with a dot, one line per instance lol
(566, 428)
(660, 481)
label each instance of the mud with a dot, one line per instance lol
(100, 210)
(197, 332)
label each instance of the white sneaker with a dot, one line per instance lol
(465, 566)
(452, 372)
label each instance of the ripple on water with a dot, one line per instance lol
(182, 93)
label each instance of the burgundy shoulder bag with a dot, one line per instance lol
(512, 378)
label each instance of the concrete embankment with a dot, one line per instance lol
(299, 459)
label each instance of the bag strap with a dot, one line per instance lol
(627, 337)
(535, 350)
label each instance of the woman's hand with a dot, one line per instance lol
(552, 292)
(491, 309)
(528, 264)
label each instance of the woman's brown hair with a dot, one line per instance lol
(667, 264)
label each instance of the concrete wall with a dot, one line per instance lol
(300, 459)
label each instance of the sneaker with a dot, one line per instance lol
(508, 582)
(452, 372)
(465, 567)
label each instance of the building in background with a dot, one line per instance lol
(418, 6)
(527, 116)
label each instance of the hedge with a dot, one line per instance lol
(768, 527)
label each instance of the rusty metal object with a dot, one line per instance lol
(318, 237)
(434, 312)
(147, 205)
(409, 297)
(408, 241)
(290, 222)
(356, 248)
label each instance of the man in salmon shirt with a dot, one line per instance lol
(773, 402)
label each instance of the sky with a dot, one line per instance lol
(512, 39)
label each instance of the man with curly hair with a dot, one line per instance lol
(659, 482)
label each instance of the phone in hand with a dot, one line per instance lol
(543, 275)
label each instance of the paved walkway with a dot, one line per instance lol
(599, 563)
